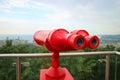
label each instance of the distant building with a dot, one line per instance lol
(17, 42)
(2, 42)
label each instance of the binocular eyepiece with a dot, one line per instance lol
(61, 40)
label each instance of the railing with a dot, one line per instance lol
(46, 55)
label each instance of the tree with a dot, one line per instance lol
(8, 42)
(79, 67)
(109, 48)
(82, 68)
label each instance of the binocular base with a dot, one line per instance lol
(67, 75)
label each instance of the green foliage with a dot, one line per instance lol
(8, 42)
(31, 72)
(118, 49)
(109, 48)
(82, 68)
(79, 67)
(7, 70)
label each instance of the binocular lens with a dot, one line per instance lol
(94, 42)
(80, 41)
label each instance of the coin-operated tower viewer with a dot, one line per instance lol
(59, 40)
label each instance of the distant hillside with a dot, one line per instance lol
(110, 38)
(28, 37)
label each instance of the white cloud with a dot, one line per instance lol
(118, 2)
(15, 26)
(8, 5)
(42, 5)
(87, 14)
(58, 16)
(15, 12)
(2, 6)
(18, 3)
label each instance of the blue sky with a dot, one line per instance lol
(29, 16)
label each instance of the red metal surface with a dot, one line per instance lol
(67, 75)
(91, 41)
(55, 60)
(61, 40)
(55, 71)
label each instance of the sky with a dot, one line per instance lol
(29, 16)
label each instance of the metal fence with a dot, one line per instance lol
(46, 55)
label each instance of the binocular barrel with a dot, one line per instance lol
(61, 40)
(91, 41)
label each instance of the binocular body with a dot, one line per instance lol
(61, 40)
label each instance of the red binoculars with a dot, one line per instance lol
(61, 40)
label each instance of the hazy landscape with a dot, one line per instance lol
(87, 66)
(28, 38)
(20, 19)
